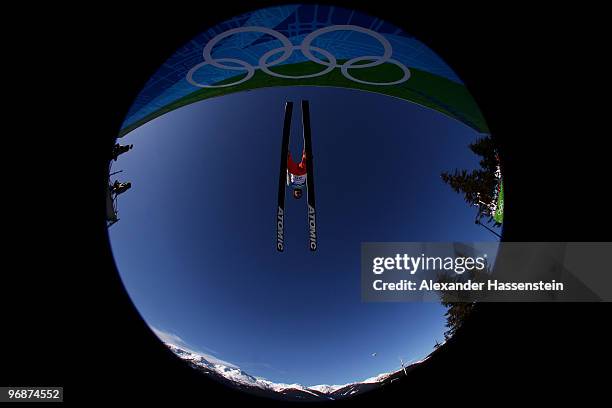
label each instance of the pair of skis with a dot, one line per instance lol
(282, 179)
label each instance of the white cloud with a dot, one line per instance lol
(175, 340)
(168, 337)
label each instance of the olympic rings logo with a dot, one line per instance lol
(307, 50)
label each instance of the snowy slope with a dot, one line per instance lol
(235, 376)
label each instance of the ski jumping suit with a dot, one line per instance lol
(296, 173)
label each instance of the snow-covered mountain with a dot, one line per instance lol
(234, 376)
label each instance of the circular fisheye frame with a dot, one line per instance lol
(260, 292)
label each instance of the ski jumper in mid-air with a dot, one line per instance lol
(296, 175)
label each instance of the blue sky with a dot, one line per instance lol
(195, 245)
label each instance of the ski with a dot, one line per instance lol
(282, 179)
(312, 214)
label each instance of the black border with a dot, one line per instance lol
(69, 320)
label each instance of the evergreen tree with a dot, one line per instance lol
(459, 303)
(478, 186)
